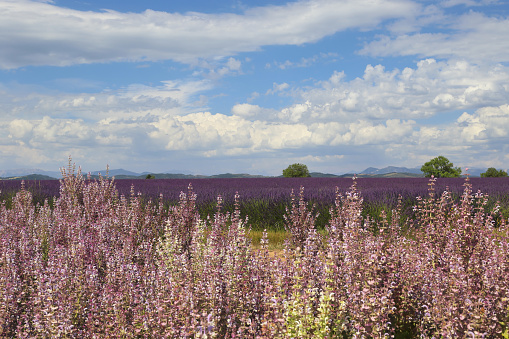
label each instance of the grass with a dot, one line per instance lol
(276, 239)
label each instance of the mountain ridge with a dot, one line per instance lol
(391, 169)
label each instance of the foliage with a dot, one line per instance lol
(296, 171)
(100, 264)
(493, 173)
(440, 167)
(150, 176)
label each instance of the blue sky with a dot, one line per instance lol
(210, 87)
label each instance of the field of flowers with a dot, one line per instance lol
(103, 262)
(264, 200)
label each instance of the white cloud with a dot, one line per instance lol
(233, 65)
(478, 139)
(131, 102)
(364, 132)
(428, 89)
(317, 158)
(251, 112)
(468, 3)
(35, 33)
(474, 36)
(19, 128)
(452, 3)
(200, 131)
(220, 134)
(51, 131)
(276, 88)
(428, 16)
(22, 154)
(294, 113)
(216, 69)
(489, 123)
(305, 62)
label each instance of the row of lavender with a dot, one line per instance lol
(99, 265)
(266, 199)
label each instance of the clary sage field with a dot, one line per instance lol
(96, 263)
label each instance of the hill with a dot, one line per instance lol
(30, 177)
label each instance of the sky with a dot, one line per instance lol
(209, 87)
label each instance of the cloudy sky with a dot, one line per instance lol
(251, 86)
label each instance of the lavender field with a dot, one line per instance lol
(264, 200)
(100, 262)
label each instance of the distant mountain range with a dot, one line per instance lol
(391, 169)
(373, 172)
(386, 172)
(415, 171)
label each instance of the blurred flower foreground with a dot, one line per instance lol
(96, 264)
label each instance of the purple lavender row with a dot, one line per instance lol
(319, 190)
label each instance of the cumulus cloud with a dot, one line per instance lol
(220, 133)
(428, 89)
(19, 128)
(254, 112)
(490, 124)
(475, 138)
(40, 33)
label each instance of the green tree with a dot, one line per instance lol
(440, 167)
(150, 176)
(493, 173)
(296, 171)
